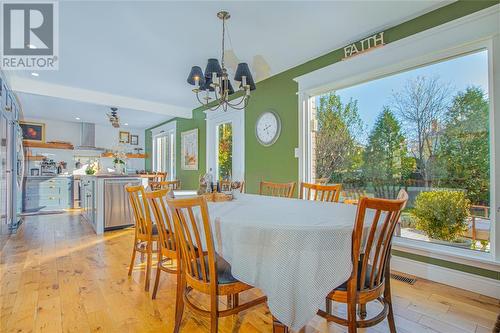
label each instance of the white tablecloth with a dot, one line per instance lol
(295, 251)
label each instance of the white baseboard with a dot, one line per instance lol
(478, 284)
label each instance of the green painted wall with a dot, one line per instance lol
(188, 178)
(277, 163)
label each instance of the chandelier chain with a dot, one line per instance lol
(223, 41)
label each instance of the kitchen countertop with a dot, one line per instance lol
(112, 176)
(80, 176)
(54, 176)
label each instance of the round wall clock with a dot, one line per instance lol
(268, 128)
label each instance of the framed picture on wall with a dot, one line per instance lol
(124, 137)
(34, 132)
(134, 140)
(189, 150)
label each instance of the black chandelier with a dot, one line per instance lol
(214, 86)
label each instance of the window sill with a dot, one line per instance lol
(448, 253)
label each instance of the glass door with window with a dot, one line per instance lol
(164, 153)
(225, 145)
(224, 152)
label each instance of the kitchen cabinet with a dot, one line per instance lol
(47, 193)
(88, 200)
(105, 202)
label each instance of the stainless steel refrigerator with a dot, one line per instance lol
(11, 162)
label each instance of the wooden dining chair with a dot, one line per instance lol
(284, 190)
(156, 177)
(242, 186)
(321, 181)
(160, 176)
(370, 277)
(167, 252)
(228, 185)
(317, 192)
(225, 185)
(166, 184)
(145, 232)
(202, 269)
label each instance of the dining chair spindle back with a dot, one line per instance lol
(370, 277)
(284, 190)
(228, 185)
(166, 184)
(167, 247)
(317, 192)
(145, 232)
(225, 185)
(202, 269)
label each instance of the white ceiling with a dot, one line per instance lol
(143, 50)
(46, 107)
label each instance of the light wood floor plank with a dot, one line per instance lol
(56, 275)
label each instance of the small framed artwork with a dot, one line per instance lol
(124, 137)
(134, 140)
(189, 150)
(34, 132)
(35, 172)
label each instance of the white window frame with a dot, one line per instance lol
(465, 35)
(237, 119)
(168, 129)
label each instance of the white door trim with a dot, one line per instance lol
(165, 130)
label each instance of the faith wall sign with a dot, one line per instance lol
(364, 45)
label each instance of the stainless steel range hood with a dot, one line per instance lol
(87, 137)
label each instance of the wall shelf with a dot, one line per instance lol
(51, 145)
(35, 157)
(128, 155)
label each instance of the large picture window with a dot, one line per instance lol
(425, 130)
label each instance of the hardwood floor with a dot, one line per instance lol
(58, 276)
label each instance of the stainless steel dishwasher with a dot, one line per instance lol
(117, 210)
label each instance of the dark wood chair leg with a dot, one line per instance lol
(143, 247)
(132, 261)
(236, 300)
(496, 329)
(278, 327)
(351, 307)
(157, 280)
(158, 270)
(351, 317)
(149, 258)
(328, 305)
(214, 312)
(179, 302)
(388, 298)
(362, 311)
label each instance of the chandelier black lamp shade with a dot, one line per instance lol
(196, 76)
(215, 84)
(244, 76)
(213, 67)
(207, 85)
